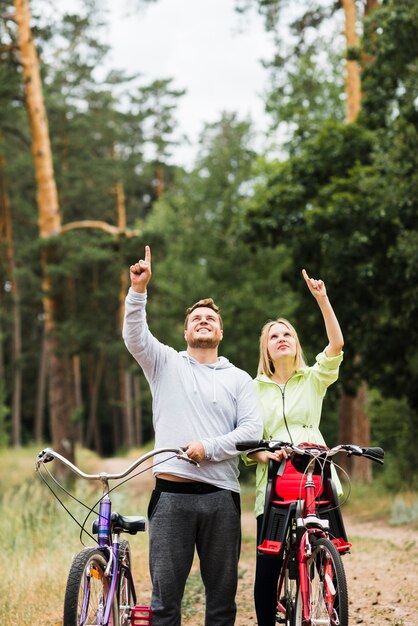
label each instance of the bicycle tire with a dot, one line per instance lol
(87, 584)
(328, 595)
(125, 591)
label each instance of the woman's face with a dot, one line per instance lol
(281, 342)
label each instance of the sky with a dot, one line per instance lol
(206, 47)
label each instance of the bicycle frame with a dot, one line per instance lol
(112, 545)
(310, 524)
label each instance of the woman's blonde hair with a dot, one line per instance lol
(265, 364)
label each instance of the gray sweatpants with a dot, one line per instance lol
(178, 523)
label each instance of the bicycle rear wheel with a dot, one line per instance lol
(87, 591)
(125, 591)
(328, 596)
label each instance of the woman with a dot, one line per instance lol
(291, 396)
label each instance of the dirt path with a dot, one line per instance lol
(381, 570)
(382, 576)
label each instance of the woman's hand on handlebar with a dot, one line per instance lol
(265, 457)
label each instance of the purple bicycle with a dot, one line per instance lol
(100, 587)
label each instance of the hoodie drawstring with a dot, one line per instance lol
(192, 374)
(214, 399)
(214, 384)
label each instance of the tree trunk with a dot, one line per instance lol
(354, 422)
(61, 397)
(93, 438)
(159, 179)
(40, 391)
(47, 196)
(78, 397)
(16, 357)
(49, 223)
(354, 428)
(62, 430)
(353, 82)
(116, 431)
(2, 362)
(369, 7)
(125, 386)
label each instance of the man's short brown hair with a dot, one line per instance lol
(206, 302)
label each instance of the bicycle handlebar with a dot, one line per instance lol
(374, 453)
(47, 455)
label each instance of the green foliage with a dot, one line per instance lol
(346, 203)
(403, 512)
(304, 94)
(390, 74)
(369, 501)
(305, 86)
(392, 422)
(342, 202)
(100, 132)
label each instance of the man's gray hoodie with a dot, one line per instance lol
(214, 404)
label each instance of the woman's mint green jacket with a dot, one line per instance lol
(300, 404)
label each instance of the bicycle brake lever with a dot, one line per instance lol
(44, 456)
(193, 462)
(184, 457)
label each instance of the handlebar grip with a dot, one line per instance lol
(374, 454)
(242, 446)
(45, 456)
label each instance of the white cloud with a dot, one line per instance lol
(206, 47)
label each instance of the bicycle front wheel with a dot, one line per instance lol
(328, 596)
(87, 591)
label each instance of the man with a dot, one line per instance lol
(202, 402)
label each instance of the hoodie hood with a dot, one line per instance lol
(263, 378)
(221, 364)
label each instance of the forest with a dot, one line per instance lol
(87, 179)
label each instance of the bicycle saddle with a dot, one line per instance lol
(124, 523)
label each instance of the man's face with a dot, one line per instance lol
(203, 329)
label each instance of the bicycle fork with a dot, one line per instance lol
(304, 551)
(328, 590)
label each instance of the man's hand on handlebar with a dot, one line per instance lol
(195, 451)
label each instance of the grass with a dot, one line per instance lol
(38, 538)
(367, 501)
(372, 501)
(404, 510)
